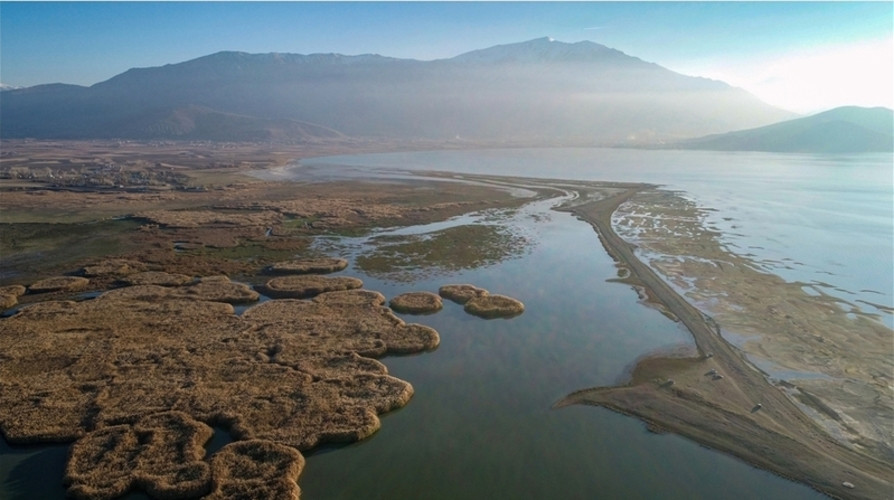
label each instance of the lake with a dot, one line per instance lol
(481, 423)
(818, 219)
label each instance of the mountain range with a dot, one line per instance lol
(848, 129)
(540, 91)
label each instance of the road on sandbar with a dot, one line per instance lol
(741, 412)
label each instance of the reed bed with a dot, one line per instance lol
(494, 306)
(113, 267)
(461, 293)
(211, 289)
(479, 302)
(161, 454)
(321, 265)
(109, 372)
(9, 295)
(256, 469)
(60, 284)
(417, 303)
(157, 278)
(304, 286)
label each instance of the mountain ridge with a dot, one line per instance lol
(541, 91)
(846, 129)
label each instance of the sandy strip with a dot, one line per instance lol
(718, 398)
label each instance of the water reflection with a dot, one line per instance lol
(481, 425)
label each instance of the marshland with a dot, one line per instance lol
(174, 314)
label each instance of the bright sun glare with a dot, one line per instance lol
(817, 79)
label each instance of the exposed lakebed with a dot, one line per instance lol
(480, 424)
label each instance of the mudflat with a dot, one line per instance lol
(170, 236)
(721, 400)
(833, 358)
(136, 376)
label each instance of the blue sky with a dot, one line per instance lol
(803, 56)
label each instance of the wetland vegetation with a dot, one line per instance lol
(131, 350)
(136, 376)
(408, 257)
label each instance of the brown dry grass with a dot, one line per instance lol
(60, 284)
(157, 278)
(295, 372)
(494, 306)
(461, 293)
(417, 303)
(299, 287)
(321, 265)
(9, 295)
(213, 289)
(209, 218)
(237, 228)
(8, 300)
(113, 267)
(481, 303)
(256, 469)
(160, 454)
(14, 290)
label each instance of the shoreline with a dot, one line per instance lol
(741, 414)
(778, 436)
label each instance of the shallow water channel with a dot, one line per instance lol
(481, 424)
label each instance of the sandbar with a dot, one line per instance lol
(740, 412)
(75, 368)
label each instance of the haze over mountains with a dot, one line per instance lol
(848, 129)
(540, 91)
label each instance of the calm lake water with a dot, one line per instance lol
(481, 424)
(817, 219)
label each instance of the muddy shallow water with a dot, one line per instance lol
(825, 220)
(481, 425)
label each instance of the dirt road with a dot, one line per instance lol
(718, 398)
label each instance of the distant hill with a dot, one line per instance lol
(539, 91)
(848, 129)
(197, 123)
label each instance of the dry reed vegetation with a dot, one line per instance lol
(113, 267)
(411, 257)
(210, 218)
(299, 287)
(212, 288)
(461, 293)
(293, 372)
(9, 295)
(256, 469)
(321, 265)
(417, 303)
(481, 303)
(287, 375)
(157, 278)
(60, 284)
(494, 306)
(162, 454)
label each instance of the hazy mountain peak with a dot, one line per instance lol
(286, 58)
(540, 90)
(848, 129)
(544, 49)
